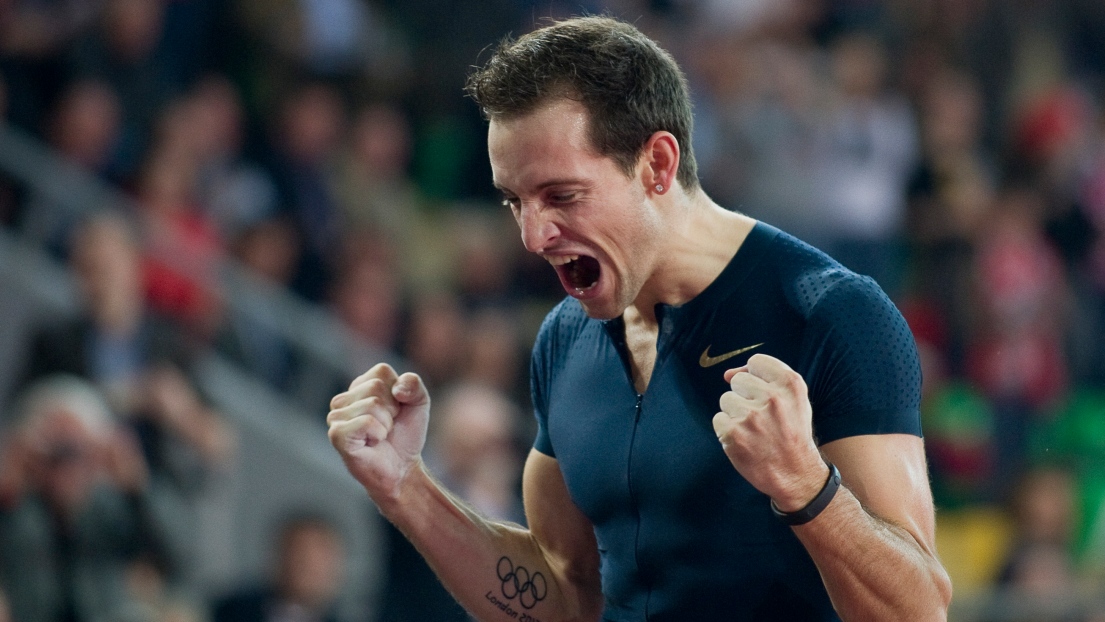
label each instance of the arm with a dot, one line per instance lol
(548, 572)
(875, 543)
(173, 402)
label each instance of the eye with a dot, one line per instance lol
(562, 197)
(512, 202)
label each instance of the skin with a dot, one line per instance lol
(874, 544)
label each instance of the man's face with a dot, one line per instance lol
(576, 208)
(66, 458)
(312, 566)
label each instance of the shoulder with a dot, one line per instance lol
(568, 314)
(867, 376)
(853, 293)
(562, 324)
(857, 306)
(821, 290)
(564, 327)
(810, 278)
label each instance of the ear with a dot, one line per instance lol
(659, 163)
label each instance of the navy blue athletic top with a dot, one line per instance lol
(681, 535)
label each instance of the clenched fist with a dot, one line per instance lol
(766, 429)
(379, 428)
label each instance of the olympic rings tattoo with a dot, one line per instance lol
(517, 582)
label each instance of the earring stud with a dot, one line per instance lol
(659, 187)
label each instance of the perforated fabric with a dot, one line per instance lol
(681, 535)
(864, 374)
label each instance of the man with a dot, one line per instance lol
(140, 362)
(643, 501)
(76, 512)
(308, 577)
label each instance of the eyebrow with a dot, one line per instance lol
(542, 185)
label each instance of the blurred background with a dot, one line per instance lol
(215, 213)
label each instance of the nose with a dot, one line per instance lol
(539, 230)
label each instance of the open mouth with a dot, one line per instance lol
(578, 273)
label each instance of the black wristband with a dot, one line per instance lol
(819, 503)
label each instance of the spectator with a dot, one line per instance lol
(76, 510)
(485, 265)
(183, 246)
(374, 189)
(1018, 355)
(1057, 143)
(35, 39)
(761, 128)
(152, 598)
(1015, 355)
(234, 191)
(308, 576)
(870, 149)
(473, 448)
(115, 338)
(269, 250)
(434, 340)
(367, 294)
(121, 52)
(140, 363)
(1040, 565)
(960, 440)
(350, 43)
(495, 356)
(307, 137)
(84, 128)
(951, 192)
(375, 192)
(366, 297)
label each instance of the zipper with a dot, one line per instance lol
(633, 495)
(629, 460)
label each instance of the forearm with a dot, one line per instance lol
(874, 570)
(496, 570)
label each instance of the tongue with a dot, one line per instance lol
(582, 273)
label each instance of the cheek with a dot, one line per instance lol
(637, 233)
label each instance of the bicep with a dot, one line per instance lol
(564, 533)
(888, 474)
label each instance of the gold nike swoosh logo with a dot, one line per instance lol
(708, 361)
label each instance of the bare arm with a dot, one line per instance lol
(497, 571)
(875, 543)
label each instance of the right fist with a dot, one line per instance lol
(379, 426)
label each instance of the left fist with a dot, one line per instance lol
(766, 429)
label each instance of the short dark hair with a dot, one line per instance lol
(631, 87)
(299, 519)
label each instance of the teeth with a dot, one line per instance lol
(560, 260)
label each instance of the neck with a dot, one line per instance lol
(703, 239)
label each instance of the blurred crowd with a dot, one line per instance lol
(952, 149)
